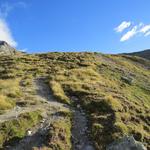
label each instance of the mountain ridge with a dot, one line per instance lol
(144, 54)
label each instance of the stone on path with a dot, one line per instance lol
(126, 143)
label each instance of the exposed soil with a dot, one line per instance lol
(80, 132)
(80, 138)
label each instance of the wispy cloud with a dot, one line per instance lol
(24, 50)
(5, 32)
(6, 8)
(123, 26)
(140, 29)
(145, 29)
(129, 34)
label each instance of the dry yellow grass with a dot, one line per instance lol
(113, 103)
(58, 92)
(4, 103)
(9, 92)
(10, 87)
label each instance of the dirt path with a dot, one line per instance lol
(80, 137)
(80, 131)
(41, 92)
(13, 113)
(37, 138)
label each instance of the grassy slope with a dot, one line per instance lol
(114, 90)
(116, 106)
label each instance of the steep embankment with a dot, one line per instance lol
(109, 96)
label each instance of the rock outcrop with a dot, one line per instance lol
(126, 143)
(6, 49)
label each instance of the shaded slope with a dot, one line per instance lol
(144, 54)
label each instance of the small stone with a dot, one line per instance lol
(78, 106)
(29, 132)
(128, 80)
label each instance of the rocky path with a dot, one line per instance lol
(41, 92)
(13, 113)
(80, 138)
(80, 131)
(37, 138)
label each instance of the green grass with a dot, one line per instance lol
(58, 92)
(59, 136)
(16, 129)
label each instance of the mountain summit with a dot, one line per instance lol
(6, 49)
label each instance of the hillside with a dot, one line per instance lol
(143, 54)
(56, 95)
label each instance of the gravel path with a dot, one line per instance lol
(13, 113)
(37, 138)
(80, 131)
(80, 138)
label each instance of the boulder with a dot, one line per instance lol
(128, 80)
(6, 49)
(126, 143)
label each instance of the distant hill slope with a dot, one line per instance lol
(144, 54)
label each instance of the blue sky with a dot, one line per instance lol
(108, 26)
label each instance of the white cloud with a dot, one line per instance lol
(145, 29)
(140, 29)
(129, 34)
(23, 50)
(123, 26)
(5, 33)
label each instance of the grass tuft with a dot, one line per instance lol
(58, 92)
